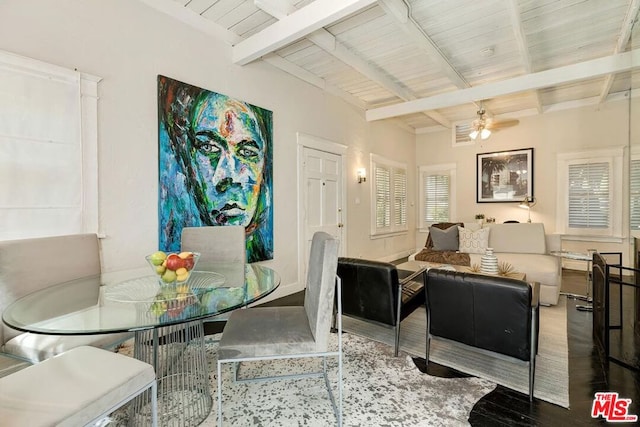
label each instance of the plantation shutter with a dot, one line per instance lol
(634, 189)
(400, 196)
(589, 195)
(436, 198)
(383, 196)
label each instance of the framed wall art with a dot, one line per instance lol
(504, 176)
(215, 165)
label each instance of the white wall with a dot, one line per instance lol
(549, 134)
(128, 44)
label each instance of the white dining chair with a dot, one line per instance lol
(272, 333)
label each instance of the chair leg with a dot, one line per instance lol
(427, 342)
(426, 353)
(532, 374)
(219, 395)
(154, 404)
(340, 389)
(397, 340)
(398, 317)
(533, 351)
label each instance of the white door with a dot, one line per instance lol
(322, 197)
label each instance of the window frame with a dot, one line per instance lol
(449, 169)
(393, 228)
(615, 158)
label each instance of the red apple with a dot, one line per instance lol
(174, 262)
(189, 261)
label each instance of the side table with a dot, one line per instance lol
(588, 258)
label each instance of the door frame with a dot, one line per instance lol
(316, 143)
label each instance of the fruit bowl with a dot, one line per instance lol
(173, 268)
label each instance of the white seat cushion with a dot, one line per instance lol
(38, 347)
(266, 331)
(72, 388)
(10, 364)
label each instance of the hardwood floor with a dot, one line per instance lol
(588, 373)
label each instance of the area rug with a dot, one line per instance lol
(379, 390)
(552, 362)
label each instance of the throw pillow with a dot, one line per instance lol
(473, 242)
(444, 240)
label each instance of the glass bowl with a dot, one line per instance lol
(173, 268)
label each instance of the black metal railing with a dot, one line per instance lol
(615, 309)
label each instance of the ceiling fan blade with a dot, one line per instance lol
(501, 124)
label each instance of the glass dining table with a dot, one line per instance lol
(166, 320)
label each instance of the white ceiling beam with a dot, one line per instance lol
(521, 41)
(623, 39)
(295, 26)
(561, 106)
(291, 68)
(397, 9)
(581, 71)
(422, 40)
(277, 8)
(304, 75)
(327, 41)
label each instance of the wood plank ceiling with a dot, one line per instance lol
(427, 64)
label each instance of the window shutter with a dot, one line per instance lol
(589, 195)
(400, 196)
(634, 189)
(383, 196)
(436, 198)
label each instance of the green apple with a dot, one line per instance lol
(157, 257)
(169, 276)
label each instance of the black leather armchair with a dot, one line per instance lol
(494, 313)
(377, 292)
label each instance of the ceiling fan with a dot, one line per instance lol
(484, 125)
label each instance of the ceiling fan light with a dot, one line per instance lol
(485, 133)
(474, 134)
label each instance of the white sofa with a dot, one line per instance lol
(29, 265)
(527, 248)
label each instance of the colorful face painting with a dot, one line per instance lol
(215, 166)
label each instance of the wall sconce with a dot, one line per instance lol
(527, 204)
(362, 175)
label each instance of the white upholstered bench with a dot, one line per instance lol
(29, 265)
(75, 388)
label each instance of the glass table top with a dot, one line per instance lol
(91, 306)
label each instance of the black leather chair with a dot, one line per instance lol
(377, 292)
(493, 313)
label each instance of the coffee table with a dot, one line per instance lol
(168, 331)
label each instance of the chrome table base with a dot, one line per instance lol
(178, 354)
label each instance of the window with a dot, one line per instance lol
(389, 213)
(48, 149)
(634, 200)
(589, 200)
(590, 193)
(437, 194)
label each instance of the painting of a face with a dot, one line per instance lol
(215, 166)
(229, 158)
